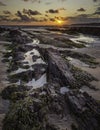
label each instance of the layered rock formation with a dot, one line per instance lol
(45, 89)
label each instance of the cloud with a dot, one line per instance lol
(22, 17)
(4, 18)
(31, 12)
(62, 0)
(33, 1)
(82, 18)
(52, 11)
(62, 9)
(52, 19)
(46, 15)
(39, 1)
(55, 11)
(97, 12)
(95, 0)
(2, 4)
(26, 16)
(7, 12)
(48, 3)
(81, 10)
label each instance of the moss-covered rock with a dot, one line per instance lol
(91, 61)
(82, 77)
(26, 114)
(14, 92)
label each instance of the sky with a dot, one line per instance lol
(49, 12)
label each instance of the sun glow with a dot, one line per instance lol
(59, 21)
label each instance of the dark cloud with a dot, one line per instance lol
(22, 17)
(62, 9)
(52, 19)
(6, 12)
(52, 11)
(58, 18)
(95, 0)
(27, 16)
(98, 9)
(2, 4)
(43, 20)
(81, 10)
(55, 11)
(31, 12)
(46, 15)
(83, 18)
(38, 1)
(97, 12)
(4, 18)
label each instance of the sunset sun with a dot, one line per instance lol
(59, 21)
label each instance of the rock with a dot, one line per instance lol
(50, 107)
(26, 114)
(14, 92)
(34, 57)
(86, 110)
(58, 68)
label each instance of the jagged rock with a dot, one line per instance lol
(46, 108)
(14, 92)
(34, 57)
(86, 110)
(27, 114)
(58, 68)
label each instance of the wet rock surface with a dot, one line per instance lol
(45, 88)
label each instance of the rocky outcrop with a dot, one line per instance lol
(85, 30)
(57, 105)
(16, 36)
(66, 73)
(86, 110)
(79, 29)
(58, 68)
(46, 108)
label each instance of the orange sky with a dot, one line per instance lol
(48, 12)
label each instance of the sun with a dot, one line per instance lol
(59, 21)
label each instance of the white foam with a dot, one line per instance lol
(18, 83)
(20, 70)
(35, 42)
(10, 58)
(28, 57)
(5, 42)
(39, 61)
(37, 83)
(82, 38)
(77, 62)
(64, 90)
(9, 50)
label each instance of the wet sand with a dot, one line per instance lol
(93, 50)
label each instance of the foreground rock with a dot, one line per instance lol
(47, 109)
(86, 110)
(58, 104)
